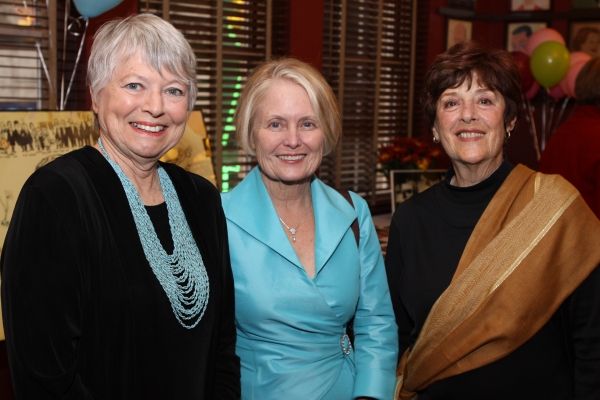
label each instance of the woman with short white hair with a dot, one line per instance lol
(116, 281)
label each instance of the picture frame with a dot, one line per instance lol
(458, 30)
(404, 183)
(518, 33)
(530, 5)
(585, 36)
(579, 4)
(464, 4)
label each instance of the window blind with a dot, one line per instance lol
(39, 46)
(367, 61)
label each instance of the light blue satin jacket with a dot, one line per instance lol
(289, 326)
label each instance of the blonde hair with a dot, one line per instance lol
(320, 95)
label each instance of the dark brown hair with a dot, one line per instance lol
(587, 84)
(496, 70)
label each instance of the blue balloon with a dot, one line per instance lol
(93, 8)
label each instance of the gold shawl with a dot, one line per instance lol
(533, 246)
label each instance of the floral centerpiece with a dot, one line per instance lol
(407, 153)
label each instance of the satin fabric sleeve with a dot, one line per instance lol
(584, 310)
(376, 340)
(227, 368)
(43, 301)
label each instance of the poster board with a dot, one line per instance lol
(42, 136)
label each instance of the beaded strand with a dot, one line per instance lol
(181, 274)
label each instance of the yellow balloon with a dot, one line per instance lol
(549, 63)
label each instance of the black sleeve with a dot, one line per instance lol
(584, 310)
(394, 267)
(227, 374)
(42, 301)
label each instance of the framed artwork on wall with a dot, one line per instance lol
(458, 30)
(464, 4)
(585, 4)
(518, 33)
(530, 5)
(585, 36)
(407, 182)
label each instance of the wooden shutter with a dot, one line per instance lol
(367, 61)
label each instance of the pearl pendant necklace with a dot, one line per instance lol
(293, 230)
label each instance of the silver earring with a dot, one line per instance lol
(436, 140)
(507, 136)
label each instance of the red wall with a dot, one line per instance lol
(306, 31)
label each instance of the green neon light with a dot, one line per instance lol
(226, 170)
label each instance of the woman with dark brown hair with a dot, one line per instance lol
(493, 271)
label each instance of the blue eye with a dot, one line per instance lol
(133, 86)
(275, 124)
(175, 92)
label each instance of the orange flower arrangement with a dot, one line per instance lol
(407, 153)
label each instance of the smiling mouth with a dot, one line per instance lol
(469, 135)
(292, 158)
(153, 129)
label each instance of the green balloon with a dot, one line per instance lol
(549, 63)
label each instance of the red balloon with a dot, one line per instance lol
(556, 92)
(530, 94)
(572, 77)
(527, 78)
(543, 35)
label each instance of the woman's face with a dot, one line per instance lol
(141, 113)
(469, 123)
(591, 44)
(287, 135)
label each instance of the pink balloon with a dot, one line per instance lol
(577, 56)
(543, 35)
(530, 94)
(556, 92)
(572, 77)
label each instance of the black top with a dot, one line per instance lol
(428, 235)
(84, 315)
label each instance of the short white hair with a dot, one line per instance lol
(161, 45)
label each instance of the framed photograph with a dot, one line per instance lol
(585, 36)
(518, 33)
(406, 182)
(464, 4)
(585, 4)
(458, 30)
(529, 5)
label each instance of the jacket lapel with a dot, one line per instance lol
(250, 208)
(333, 217)
(257, 216)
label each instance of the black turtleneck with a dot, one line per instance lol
(428, 234)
